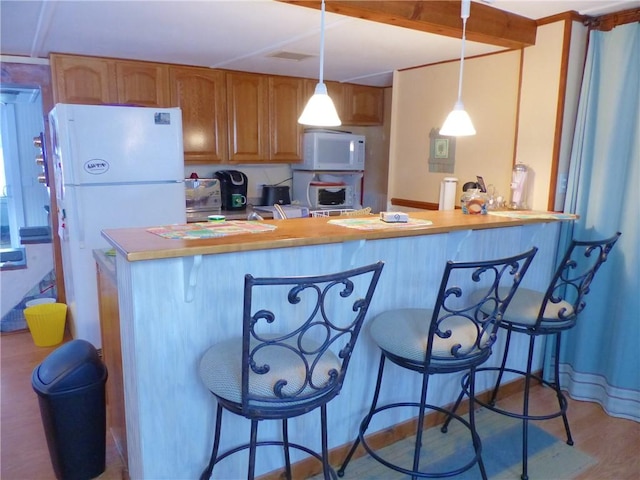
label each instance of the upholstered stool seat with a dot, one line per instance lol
(452, 336)
(298, 334)
(404, 333)
(524, 310)
(221, 372)
(545, 314)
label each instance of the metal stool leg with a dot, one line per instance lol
(206, 474)
(252, 449)
(445, 425)
(367, 419)
(525, 411)
(418, 445)
(477, 446)
(285, 444)
(562, 401)
(494, 395)
(326, 468)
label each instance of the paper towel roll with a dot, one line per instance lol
(448, 188)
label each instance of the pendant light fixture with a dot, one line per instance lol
(458, 122)
(320, 110)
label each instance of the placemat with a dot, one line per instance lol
(377, 224)
(192, 231)
(523, 214)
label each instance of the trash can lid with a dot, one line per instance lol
(73, 365)
(39, 301)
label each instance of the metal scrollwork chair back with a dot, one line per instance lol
(297, 340)
(453, 335)
(548, 314)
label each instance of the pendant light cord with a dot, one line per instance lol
(465, 7)
(321, 76)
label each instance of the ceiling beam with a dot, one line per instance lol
(485, 25)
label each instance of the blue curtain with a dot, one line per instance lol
(600, 357)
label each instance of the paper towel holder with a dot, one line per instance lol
(448, 191)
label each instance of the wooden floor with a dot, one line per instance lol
(615, 443)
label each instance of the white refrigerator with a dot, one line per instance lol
(115, 167)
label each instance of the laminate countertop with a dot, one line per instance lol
(138, 244)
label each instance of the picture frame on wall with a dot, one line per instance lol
(441, 152)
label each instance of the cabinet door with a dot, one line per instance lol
(199, 92)
(83, 80)
(336, 92)
(143, 84)
(363, 105)
(285, 106)
(248, 121)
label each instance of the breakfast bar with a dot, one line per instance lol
(179, 292)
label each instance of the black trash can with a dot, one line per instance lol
(70, 384)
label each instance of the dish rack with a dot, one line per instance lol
(340, 212)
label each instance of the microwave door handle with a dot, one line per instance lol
(309, 195)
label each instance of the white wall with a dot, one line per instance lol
(577, 55)
(538, 107)
(423, 97)
(508, 129)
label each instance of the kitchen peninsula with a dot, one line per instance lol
(178, 296)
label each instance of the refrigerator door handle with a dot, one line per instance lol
(78, 213)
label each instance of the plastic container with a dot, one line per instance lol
(70, 384)
(46, 323)
(519, 187)
(473, 202)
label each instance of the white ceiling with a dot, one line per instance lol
(242, 34)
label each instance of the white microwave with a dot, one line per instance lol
(332, 151)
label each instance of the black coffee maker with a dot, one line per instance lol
(233, 189)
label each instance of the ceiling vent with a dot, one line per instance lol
(296, 57)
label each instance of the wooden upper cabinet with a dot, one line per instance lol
(143, 84)
(84, 80)
(363, 105)
(247, 117)
(286, 102)
(199, 92)
(336, 93)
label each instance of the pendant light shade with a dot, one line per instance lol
(458, 122)
(320, 110)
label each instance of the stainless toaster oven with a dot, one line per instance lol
(331, 194)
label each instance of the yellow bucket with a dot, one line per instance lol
(46, 323)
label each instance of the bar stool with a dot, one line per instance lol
(297, 339)
(538, 314)
(454, 336)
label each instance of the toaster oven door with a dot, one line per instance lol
(330, 196)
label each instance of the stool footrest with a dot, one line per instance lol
(512, 414)
(375, 455)
(274, 443)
